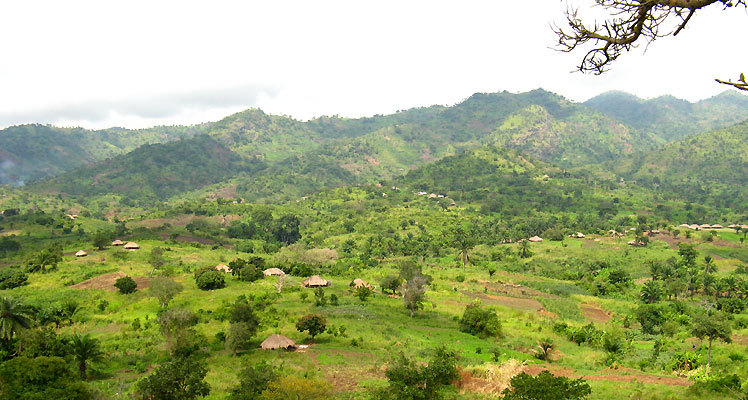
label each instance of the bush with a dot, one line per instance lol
(409, 380)
(253, 380)
(730, 305)
(248, 270)
(12, 277)
(126, 285)
(545, 386)
(209, 279)
(480, 322)
(180, 379)
(40, 378)
(312, 323)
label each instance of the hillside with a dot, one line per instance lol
(580, 137)
(152, 172)
(31, 152)
(707, 168)
(669, 118)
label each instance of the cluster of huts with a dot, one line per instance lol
(702, 227)
(127, 246)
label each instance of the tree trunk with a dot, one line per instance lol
(82, 367)
(412, 313)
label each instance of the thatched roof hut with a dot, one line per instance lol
(578, 235)
(80, 253)
(273, 272)
(535, 239)
(684, 226)
(132, 246)
(315, 281)
(223, 268)
(118, 243)
(717, 226)
(733, 226)
(358, 282)
(275, 341)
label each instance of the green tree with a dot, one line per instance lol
(480, 322)
(248, 270)
(239, 336)
(409, 380)
(126, 285)
(545, 386)
(464, 240)
(524, 249)
(46, 259)
(286, 229)
(391, 283)
(209, 279)
(156, 259)
(101, 239)
(164, 289)
(414, 294)
(651, 292)
(40, 378)
(180, 379)
(14, 316)
(84, 349)
(712, 326)
(312, 323)
(363, 292)
(253, 380)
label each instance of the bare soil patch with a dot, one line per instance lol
(608, 375)
(518, 303)
(106, 282)
(594, 313)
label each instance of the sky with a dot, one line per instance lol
(137, 64)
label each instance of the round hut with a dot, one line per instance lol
(118, 243)
(80, 253)
(315, 281)
(132, 246)
(273, 272)
(275, 341)
(223, 268)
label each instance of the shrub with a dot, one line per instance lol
(40, 378)
(253, 380)
(363, 292)
(126, 285)
(546, 386)
(480, 322)
(409, 380)
(180, 379)
(210, 279)
(292, 387)
(12, 277)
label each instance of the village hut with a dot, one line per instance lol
(578, 235)
(535, 239)
(273, 272)
(132, 246)
(275, 341)
(358, 282)
(80, 253)
(684, 226)
(731, 226)
(743, 226)
(315, 281)
(223, 268)
(118, 243)
(632, 243)
(695, 227)
(717, 226)
(705, 226)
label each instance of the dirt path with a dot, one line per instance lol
(106, 282)
(594, 313)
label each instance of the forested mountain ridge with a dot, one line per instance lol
(34, 151)
(152, 172)
(669, 118)
(708, 168)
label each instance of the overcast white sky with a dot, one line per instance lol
(141, 63)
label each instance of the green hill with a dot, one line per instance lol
(31, 152)
(707, 168)
(153, 172)
(670, 118)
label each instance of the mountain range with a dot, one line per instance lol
(685, 148)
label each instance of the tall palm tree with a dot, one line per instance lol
(14, 316)
(85, 349)
(709, 266)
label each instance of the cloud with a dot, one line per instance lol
(146, 108)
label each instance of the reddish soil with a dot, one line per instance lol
(594, 313)
(671, 241)
(627, 375)
(518, 303)
(106, 282)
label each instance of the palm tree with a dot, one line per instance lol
(69, 308)
(85, 348)
(524, 249)
(14, 316)
(709, 266)
(651, 292)
(545, 348)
